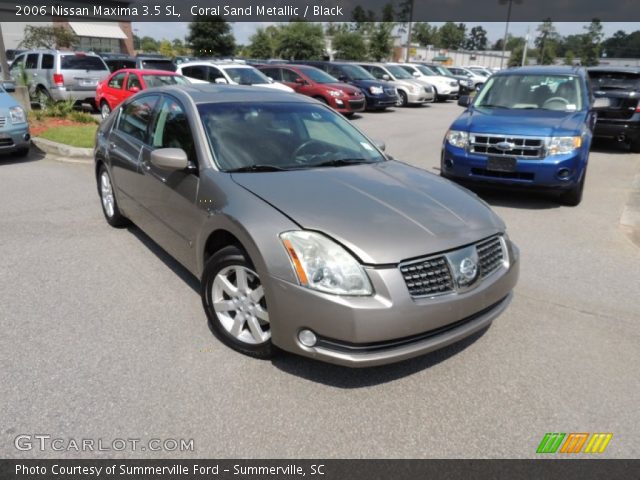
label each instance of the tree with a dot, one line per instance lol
(546, 42)
(512, 43)
(262, 44)
(179, 48)
(363, 21)
(381, 41)
(569, 58)
(211, 36)
(590, 53)
(166, 48)
(477, 39)
(425, 34)
(349, 46)
(148, 44)
(301, 40)
(515, 59)
(48, 37)
(452, 35)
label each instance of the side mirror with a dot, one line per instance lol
(9, 86)
(464, 100)
(170, 158)
(343, 78)
(380, 144)
(601, 102)
(221, 81)
(299, 81)
(134, 89)
(386, 77)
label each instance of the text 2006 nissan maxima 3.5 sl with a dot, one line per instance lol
(303, 234)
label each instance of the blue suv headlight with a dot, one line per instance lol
(458, 138)
(562, 145)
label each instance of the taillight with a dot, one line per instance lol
(58, 79)
(638, 107)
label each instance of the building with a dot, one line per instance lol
(94, 35)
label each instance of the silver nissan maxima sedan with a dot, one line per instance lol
(304, 235)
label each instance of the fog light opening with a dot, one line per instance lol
(448, 163)
(27, 137)
(307, 338)
(564, 173)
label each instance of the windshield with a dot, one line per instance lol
(246, 76)
(318, 76)
(282, 136)
(356, 72)
(550, 92)
(605, 80)
(399, 72)
(81, 62)
(161, 80)
(442, 70)
(480, 72)
(425, 70)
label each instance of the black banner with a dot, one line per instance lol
(320, 10)
(547, 469)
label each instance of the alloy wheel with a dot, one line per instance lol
(105, 110)
(238, 300)
(106, 194)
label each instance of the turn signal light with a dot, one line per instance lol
(58, 79)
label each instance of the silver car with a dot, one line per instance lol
(56, 75)
(303, 234)
(410, 91)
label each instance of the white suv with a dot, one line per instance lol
(445, 87)
(231, 73)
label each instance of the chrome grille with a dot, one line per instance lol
(431, 276)
(428, 277)
(511, 146)
(490, 256)
(3, 121)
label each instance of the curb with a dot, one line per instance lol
(64, 152)
(630, 218)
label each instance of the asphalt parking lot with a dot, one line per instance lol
(104, 336)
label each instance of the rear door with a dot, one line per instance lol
(82, 72)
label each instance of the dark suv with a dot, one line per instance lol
(378, 93)
(621, 119)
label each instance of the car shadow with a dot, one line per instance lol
(185, 275)
(351, 378)
(611, 147)
(34, 155)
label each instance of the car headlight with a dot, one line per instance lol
(560, 145)
(335, 93)
(17, 115)
(458, 138)
(376, 90)
(322, 264)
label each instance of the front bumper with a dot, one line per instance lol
(418, 98)
(348, 104)
(377, 102)
(389, 326)
(14, 138)
(457, 163)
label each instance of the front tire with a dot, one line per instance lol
(105, 109)
(402, 100)
(108, 200)
(573, 197)
(234, 301)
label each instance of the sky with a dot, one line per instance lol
(495, 30)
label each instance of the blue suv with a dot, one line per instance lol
(379, 94)
(527, 127)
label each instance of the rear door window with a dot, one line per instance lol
(82, 62)
(136, 117)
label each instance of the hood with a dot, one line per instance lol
(534, 122)
(345, 87)
(368, 83)
(383, 213)
(7, 101)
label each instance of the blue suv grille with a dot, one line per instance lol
(511, 146)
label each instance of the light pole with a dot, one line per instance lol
(506, 28)
(407, 55)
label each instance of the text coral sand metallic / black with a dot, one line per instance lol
(305, 236)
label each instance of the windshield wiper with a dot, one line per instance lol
(256, 168)
(491, 105)
(340, 162)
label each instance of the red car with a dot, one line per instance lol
(315, 83)
(121, 84)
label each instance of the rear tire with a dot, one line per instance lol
(573, 197)
(233, 299)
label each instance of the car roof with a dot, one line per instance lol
(543, 70)
(213, 63)
(147, 72)
(614, 69)
(202, 93)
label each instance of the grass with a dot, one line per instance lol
(76, 136)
